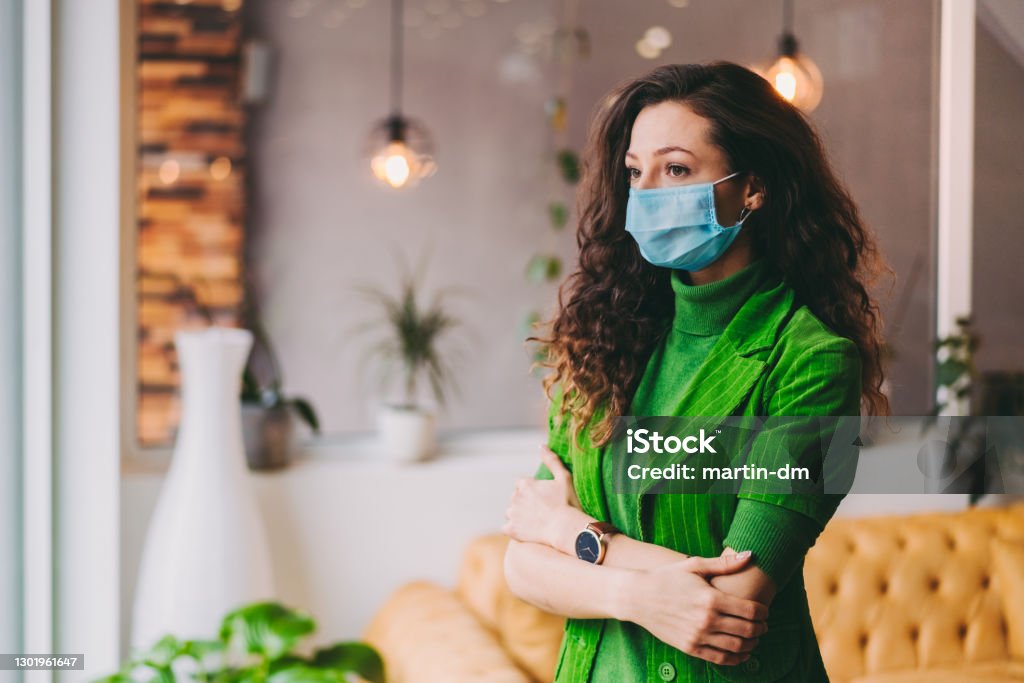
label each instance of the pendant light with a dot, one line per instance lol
(795, 76)
(399, 148)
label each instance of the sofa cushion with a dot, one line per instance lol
(531, 636)
(1008, 562)
(914, 592)
(426, 634)
(482, 577)
(987, 672)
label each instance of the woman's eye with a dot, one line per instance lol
(677, 171)
(632, 173)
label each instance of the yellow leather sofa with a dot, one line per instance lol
(895, 599)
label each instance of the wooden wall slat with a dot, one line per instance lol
(190, 224)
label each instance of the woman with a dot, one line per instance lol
(723, 271)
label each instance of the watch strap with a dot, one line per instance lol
(602, 528)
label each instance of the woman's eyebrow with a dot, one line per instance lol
(666, 150)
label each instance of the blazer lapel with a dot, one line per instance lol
(587, 479)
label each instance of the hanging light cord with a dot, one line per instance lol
(788, 45)
(396, 57)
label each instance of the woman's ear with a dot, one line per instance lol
(755, 194)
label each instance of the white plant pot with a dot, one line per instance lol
(206, 551)
(407, 434)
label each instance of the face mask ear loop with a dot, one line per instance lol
(722, 180)
(744, 216)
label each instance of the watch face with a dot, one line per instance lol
(587, 546)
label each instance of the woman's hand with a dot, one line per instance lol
(542, 509)
(678, 605)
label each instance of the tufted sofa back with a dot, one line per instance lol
(887, 594)
(907, 592)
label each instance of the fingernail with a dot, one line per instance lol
(745, 553)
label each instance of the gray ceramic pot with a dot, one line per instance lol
(268, 434)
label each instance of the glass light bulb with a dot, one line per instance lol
(785, 83)
(797, 79)
(393, 165)
(396, 170)
(399, 152)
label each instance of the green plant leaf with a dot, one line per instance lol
(160, 654)
(416, 331)
(266, 628)
(569, 166)
(306, 412)
(250, 387)
(115, 678)
(199, 650)
(288, 662)
(554, 268)
(161, 673)
(410, 349)
(232, 674)
(527, 324)
(559, 214)
(306, 674)
(358, 658)
(543, 268)
(949, 371)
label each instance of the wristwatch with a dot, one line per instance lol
(591, 543)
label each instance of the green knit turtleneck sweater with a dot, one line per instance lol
(702, 313)
(777, 536)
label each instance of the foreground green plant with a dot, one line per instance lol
(254, 645)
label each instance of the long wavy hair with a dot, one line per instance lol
(615, 308)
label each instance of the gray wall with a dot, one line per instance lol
(322, 225)
(998, 214)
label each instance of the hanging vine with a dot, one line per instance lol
(568, 43)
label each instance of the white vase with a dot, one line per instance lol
(206, 550)
(407, 433)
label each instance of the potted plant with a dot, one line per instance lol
(254, 645)
(410, 346)
(267, 413)
(955, 372)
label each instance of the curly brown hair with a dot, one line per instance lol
(615, 308)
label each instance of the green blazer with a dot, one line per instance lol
(775, 358)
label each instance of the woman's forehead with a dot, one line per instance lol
(665, 125)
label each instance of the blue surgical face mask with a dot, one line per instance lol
(676, 227)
